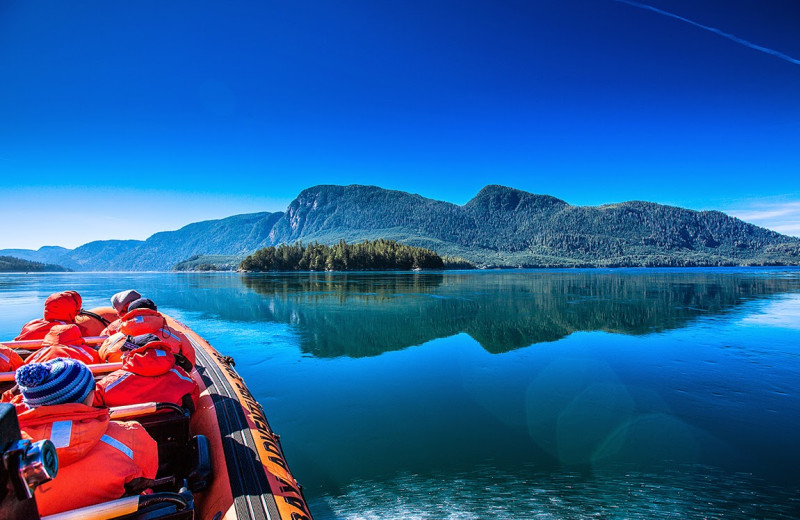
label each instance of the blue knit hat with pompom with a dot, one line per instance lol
(57, 381)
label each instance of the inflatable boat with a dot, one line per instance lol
(221, 462)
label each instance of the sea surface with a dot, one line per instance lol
(525, 394)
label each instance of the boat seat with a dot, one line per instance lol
(181, 456)
(168, 425)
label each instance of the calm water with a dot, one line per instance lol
(524, 394)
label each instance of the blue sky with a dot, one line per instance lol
(120, 119)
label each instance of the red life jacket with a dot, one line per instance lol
(9, 360)
(148, 374)
(62, 306)
(96, 456)
(140, 321)
(59, 309)
(144, 321)
(14, 399)
(65, 341)
(64, 335)
(85, 354)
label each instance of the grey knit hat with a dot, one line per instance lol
(121, 300)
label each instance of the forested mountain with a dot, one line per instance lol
(499, 227)
(508, 227)
(9, 264)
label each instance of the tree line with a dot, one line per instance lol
(11, 264)
(376, 254)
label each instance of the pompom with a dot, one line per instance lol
(32, 375)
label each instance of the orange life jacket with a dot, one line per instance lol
(65, 341)
(90, 325)
(62, 306)
(110, 350)
(96, 456)
(144, 321)
(9, 360)
(112, 328)
(64, 335)
(14, 399)
(59, 309)
(148, 374)
(85, 354)
(137, 321)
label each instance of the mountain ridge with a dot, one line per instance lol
(499, 226)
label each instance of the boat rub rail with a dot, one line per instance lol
(283, 485)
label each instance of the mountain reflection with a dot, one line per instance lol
(366, 314)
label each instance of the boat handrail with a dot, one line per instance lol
(121, 507)
(137, 410)
(34, 344)
(101, 368)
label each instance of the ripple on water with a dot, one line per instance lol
(684, 492)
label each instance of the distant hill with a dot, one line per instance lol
(9, 264)
(501, 226)
(46, 254)
(237, 236)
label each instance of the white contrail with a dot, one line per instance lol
(714, 30)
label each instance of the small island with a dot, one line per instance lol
(208, 263)
(368, 255)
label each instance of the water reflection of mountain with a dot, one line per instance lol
(367, 314)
